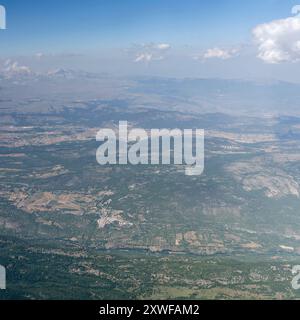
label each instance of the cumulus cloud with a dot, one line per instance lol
(279, 40)
(146, 57)
(12, 68)
(39, 55)
(151, 52)
(163, 46)
(218, 53)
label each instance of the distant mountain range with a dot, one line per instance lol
(190, 94)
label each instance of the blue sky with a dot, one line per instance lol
(73, 25)
(108, 28)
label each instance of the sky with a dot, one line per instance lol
(196, 38)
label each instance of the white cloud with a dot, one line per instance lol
(151, 52)
(39, 55)
(163, 46)
(218, 53)
(146, 57)
(279, 40)
(12, 68)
